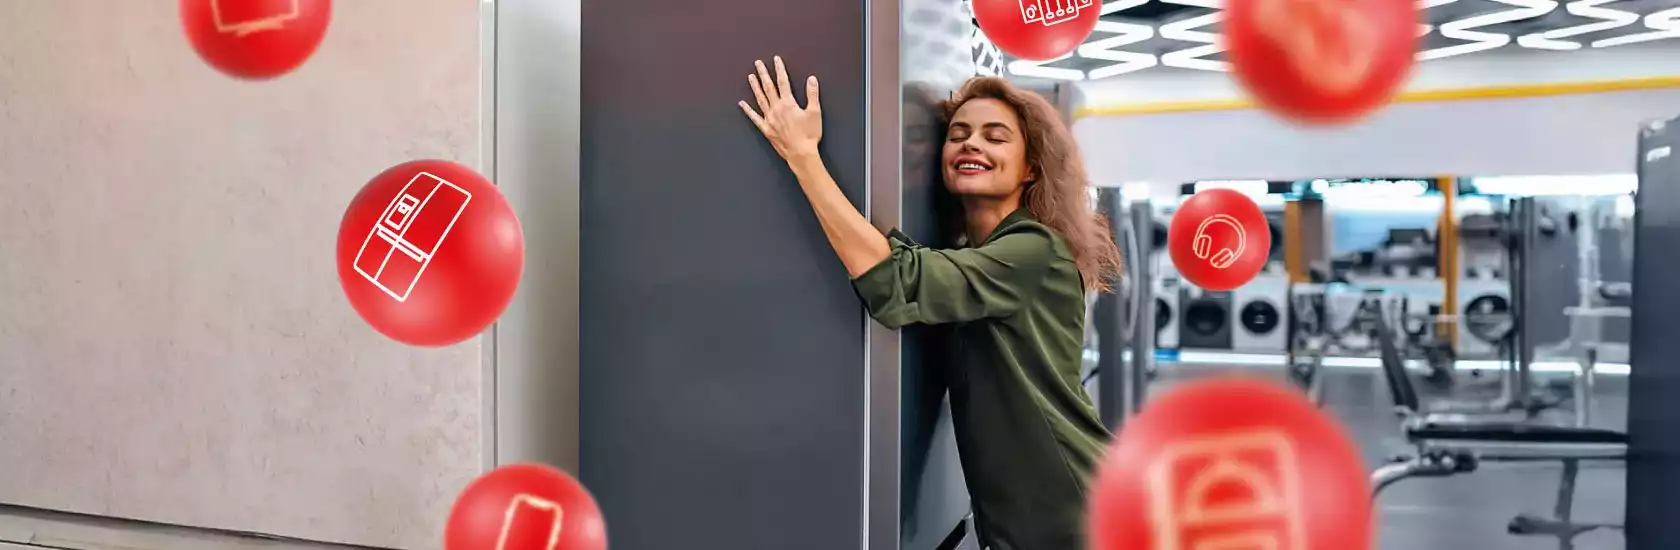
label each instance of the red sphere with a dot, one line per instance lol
(1219, 239)
(255, 39)
(430, 253)
(1322, 61)
(525, 507)
(1232, 462)
(1037, 30)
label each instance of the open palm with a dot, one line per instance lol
(792, 130)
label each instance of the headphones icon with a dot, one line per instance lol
(1203, 244)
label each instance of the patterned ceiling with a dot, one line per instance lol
(1136, 35)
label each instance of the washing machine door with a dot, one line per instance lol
(1205, 318)
(1163, 314)
(1259, 317)
(1488, 318)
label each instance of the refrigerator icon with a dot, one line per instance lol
(1235, 491)
(531, 523)
(1051, 12)
(402, 244)
(243, 17)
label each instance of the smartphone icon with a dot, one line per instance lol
(243, 17)
(401, 246)
(1234, 491)
(531, 523)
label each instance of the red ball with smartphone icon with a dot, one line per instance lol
(1232, 462)
(1322, 61)
(430, 253)
(255, 39)
(1037, 30)
(525, 507)
(1219, 239)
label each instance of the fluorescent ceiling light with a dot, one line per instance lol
(1464, 29)
(1663, 24)
(1186, 31)
(1125, 34)
(1528, 186)
(1607, 19)
(1252, 188)
(1038, 69)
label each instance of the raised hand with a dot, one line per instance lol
(792, 130)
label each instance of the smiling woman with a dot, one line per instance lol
(1013, 298)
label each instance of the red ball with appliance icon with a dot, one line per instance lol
(255, 39)
(430, 253)
(1219, 239)
(1322, 61)
(1232, 462)
(1037, 30)
(525, 507)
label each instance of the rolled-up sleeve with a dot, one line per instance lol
(917, 284)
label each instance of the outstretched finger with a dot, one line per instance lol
(758, 93)
(770, 91)
(813, 101)
(753, 116)
(782, 83)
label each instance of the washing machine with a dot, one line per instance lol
(1166, 313)
(1205, 319)
(1261, 312)
(1484, 318)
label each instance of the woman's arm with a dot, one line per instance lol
(898, 282)
(795, 132)
(859, 245)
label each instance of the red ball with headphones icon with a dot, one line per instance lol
(1219, 239)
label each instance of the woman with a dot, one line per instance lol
(1014, 297)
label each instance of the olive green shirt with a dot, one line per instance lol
(1026, 431)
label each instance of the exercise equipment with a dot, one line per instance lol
(1037, 30)
(1219, 239)
(1231, 462)
(430, 253)
(1448, 445)
(255, 39)
(1321, 61)
(525, 507)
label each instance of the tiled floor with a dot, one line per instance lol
(1464, 512)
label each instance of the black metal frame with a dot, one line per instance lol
(1448, 445)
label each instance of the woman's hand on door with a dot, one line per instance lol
(793, 131)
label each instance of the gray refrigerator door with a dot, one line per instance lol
(1653, 475)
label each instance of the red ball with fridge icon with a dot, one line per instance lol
(430, 253)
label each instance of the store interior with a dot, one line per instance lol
(1452, 277)
(1503, 296)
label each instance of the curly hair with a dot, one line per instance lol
(1059, 197)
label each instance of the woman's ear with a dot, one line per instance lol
(1031, 175)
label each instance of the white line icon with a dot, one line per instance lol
(1051, 12)
(401, 245)
(1337, 67)
(1238, 491)
(528, 506)
(1202, 245)
(242, 18)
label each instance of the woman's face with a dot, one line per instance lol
(985, 153)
